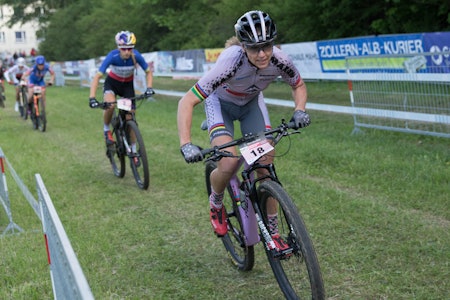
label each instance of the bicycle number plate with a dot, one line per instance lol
(37, 89)
(124, 104)
(252, 151)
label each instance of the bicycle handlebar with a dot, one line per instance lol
(105, 105)
(216, 153)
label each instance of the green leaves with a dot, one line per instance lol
(82, 29)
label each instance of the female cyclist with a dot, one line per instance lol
(232, 90)
(35, 76)
(122, 63)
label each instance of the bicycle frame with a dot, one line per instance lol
(120, 116)
(245, 195)
(253, 196)
(129, 142)
(251, 217)
(246, 209)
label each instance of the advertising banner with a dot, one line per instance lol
(305, 58)
(390, 52)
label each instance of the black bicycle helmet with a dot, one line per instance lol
(255, 27)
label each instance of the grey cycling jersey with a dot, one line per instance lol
(234, 79)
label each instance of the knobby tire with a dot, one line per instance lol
(140, 170)
(23, 103)
(41, 119)
(241, 255)
(33, 117)
(298, 275)
(2, 97)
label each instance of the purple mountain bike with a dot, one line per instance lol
(297, 268)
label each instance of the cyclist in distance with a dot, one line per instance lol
(232, 91)
(13, 76)
(122, 63)
(2, 79)
(35, 76)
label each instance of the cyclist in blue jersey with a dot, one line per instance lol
(2, 84)
(35, 76)
(122, 63)
(232, 91)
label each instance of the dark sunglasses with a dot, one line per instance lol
(254, 49)
(126, 49)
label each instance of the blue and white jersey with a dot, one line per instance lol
(122, 69)
(36, 76)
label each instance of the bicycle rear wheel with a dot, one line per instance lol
(138, 157)
(242, 256)
(298, 274)
(116, 153)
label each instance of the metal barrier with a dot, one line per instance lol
(4, 199)
(68, 280)
(404, 92)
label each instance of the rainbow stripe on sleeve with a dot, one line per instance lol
(216, 127)
(197, 90)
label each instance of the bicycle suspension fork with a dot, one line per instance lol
(249, 185)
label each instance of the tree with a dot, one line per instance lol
(80, 29)
(34, 10)
(63, 37)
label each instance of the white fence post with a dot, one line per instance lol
(4, 199)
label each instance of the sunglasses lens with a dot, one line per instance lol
(257, 48)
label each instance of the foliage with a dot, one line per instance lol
(63, 40)
(34, 10)
(80, 29)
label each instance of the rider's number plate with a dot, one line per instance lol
(124, 104)
(254, 150)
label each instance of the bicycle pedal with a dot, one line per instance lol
(283, 254)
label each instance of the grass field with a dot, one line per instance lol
(376, 205)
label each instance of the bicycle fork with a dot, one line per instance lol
(247, 213)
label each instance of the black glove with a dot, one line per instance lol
(149, 92)
(93, 103)
(300, 119)
(191, 153)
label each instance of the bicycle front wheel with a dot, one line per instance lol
(298, 274)
(41, 119)
(242, 256)
(23, 102)
(138, 155)
(2, 97)
(33, 116)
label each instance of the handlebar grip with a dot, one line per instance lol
(205, 152)
(105, 105)
(291, 124)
